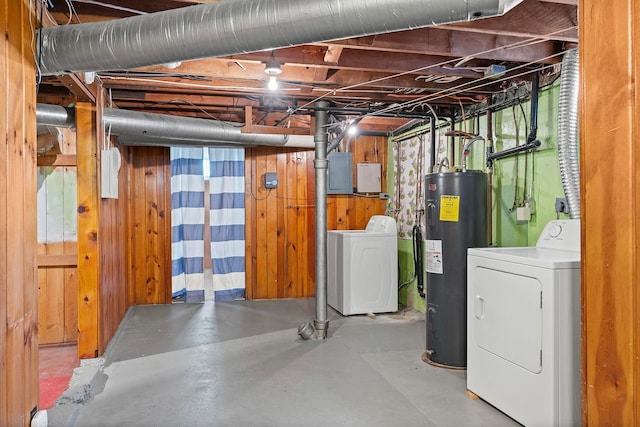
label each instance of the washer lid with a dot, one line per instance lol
(539, 257)
(381, 224)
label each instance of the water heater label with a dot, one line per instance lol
(449, 208)
(434, 256)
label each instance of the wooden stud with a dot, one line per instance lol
(609, 34)
(88, 225)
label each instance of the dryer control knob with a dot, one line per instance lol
(555, 231)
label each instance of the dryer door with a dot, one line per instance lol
(507, 316)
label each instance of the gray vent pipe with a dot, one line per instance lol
(240, 26)
(147, 126)
(568, 153)
(55, 115)
(137, 128)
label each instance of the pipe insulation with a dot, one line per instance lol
(240, 26)
(568, 150)
(138, 128)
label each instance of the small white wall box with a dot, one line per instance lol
(368, 177)
(270, 180)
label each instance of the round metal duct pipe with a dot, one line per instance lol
(240, 26)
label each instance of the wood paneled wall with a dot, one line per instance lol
(114, 242)
(280, 223)
(609, 39)
(149, 176)
(18, 239)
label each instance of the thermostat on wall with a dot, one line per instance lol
(270, 180)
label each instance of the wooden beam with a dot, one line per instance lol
(82, 91)
(453, 42)
(610, 214)
(88, 224)
(332, 55)
(65, 260)
(57, 160)
(529, 19)
(571, 2)
(18, 224)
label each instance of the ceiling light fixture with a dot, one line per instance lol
(272, 68)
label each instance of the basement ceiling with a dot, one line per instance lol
(396, 76)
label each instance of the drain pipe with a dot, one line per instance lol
(320, 325)
(490, 175)
(239, 26)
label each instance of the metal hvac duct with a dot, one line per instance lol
(136, 128)
(568, 150)
(147, 126)
(239, 26)
(55, 115)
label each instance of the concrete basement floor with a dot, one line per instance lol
(242, 364)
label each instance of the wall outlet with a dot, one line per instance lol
(523, 213)
(561, 205)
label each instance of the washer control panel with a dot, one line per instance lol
(561, 234)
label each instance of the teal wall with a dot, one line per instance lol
(508, 175)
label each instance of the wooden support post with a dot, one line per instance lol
(18, 239)
(609, 40)
(88, 221)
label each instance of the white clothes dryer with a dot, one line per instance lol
(362, 268)
(523, 327)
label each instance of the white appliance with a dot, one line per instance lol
(523, 327)
(362, 268)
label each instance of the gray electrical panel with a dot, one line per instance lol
(270, 180)
(340, 179)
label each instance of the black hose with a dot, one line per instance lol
(417, 258)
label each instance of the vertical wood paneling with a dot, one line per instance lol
(250, 220)
(70, 320)
(88, 225)
(609, 41)
(18, 241)
(150, 225)
(280, 230)
(114, 300)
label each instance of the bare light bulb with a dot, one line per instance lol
(273, 83)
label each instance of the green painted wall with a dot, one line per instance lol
(508, 177)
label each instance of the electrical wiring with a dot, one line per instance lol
(112, 6)
(465, 87)
(72, 12)
(526, 158)
(441, 64)
(516, 165)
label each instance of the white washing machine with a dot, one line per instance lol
(362, 268)
(523, 327)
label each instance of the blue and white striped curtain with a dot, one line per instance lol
(227, 222)
(187, 220)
